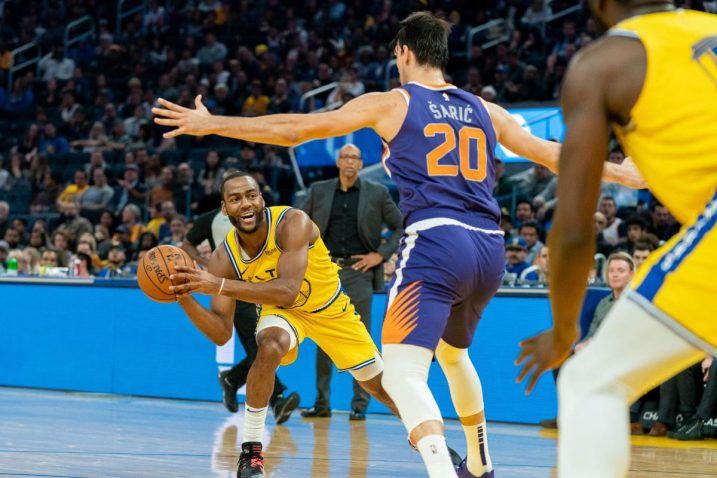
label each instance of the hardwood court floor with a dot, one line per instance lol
(56, 434)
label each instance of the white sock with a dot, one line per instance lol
(434, 452)
(477, 442)
(254, 419)
(467, 397)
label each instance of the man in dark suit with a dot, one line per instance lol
(350, 213)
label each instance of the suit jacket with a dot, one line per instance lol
(375, 207)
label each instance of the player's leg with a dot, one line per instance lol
(405, 380)
(408, 353)
(419, 303)
(339, 331)
(231, 380)
(467, 397)
(452, 351)
(275, 338)
(631, 353)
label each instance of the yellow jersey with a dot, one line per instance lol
(672, 135)
(321, 285)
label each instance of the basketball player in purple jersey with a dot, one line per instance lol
(438, 148)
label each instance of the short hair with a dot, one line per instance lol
(426, 36)
(524, 201)
(636, 220)
(532, 224)
(621, 256)
(643, 246)
(608, 198)
(229, 175)
(135, 210)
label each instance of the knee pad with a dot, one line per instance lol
(404, 379)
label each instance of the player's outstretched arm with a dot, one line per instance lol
(367, 111)
(515, 138)
(571, 240)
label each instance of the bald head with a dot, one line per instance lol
(349, 162)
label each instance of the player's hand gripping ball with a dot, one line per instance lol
(155, 269)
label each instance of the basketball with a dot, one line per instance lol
(155, 268)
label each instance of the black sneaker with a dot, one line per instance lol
(316, 412)
(229, 392)
(283, 406)
(251, 461)
(691, 430)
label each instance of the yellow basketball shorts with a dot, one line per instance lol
(338, 330)
(676, 283)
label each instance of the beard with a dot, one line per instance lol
(257, 223)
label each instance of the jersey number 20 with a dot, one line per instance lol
(469, 140)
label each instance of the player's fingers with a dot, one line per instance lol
(525, 352)
(184, 277)
(534, 380)
(198, 102)
(167, 121)
(525, 370)
(182, 295)
(171, 106)
(167, 113)
(181, 268)
(173, 133)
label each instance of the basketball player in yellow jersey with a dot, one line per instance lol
(275, 257)
(653, 77)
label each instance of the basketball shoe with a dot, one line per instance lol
(283, 406)
(251, 460)
(229, 392)
(462, 471)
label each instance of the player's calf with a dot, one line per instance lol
(467, 397)
(375, 389)
(273, 343)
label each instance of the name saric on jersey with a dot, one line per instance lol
(458, 113)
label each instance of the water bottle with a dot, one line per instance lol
(11, 267)
(74, 268)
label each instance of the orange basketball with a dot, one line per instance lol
(155, 268)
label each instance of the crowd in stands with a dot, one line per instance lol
(83, 167)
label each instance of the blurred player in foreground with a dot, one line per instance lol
(653, 79)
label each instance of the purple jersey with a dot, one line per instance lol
(442, 157)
